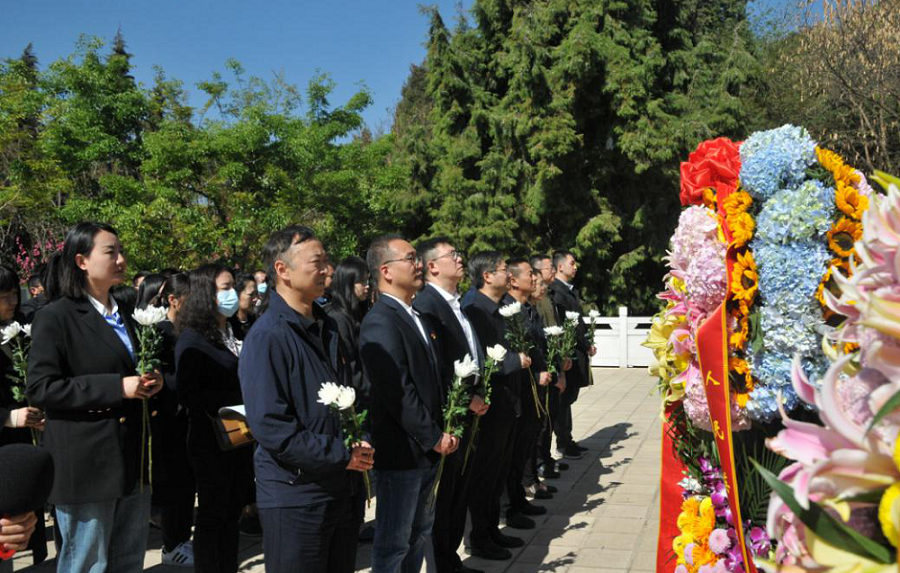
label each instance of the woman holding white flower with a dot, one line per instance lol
(206, 362)
(81, 371)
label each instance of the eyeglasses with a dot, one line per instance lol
(454, 254)
(412, 258)
(503, 270)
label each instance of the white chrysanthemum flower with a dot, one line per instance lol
(10, 331)
(572, 315)
(345, 398)
(496, 352)
(150, 315)
(553, 330)
(510, 309)
(594, 314)
(328, 393)
(27, 329)
(465, 367)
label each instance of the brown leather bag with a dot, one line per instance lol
(232, 431)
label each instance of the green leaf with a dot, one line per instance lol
(892, 404)
(825, 526)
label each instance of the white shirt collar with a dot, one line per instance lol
(565, 283)
(447, 296)
(102, 309)
(405, 306)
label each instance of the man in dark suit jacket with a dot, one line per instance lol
(565, 297)
(439, 302)
(493, 454)
(399, 355)
(304, 488)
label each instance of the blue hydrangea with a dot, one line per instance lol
(775, 159)
(774, 369)
(799, 214)
(790, 334)
(789, 274)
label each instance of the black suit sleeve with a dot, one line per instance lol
(386, 364)
(48, 385)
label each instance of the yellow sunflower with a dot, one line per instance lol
(842, 235)
(737, 203)
(709, 197)
(849, 201)
(834, 163)
(742, 227)
(744, 278)
(738, 338)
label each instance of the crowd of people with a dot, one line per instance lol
(390, 326)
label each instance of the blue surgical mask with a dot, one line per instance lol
(261, 288)
(228, 302)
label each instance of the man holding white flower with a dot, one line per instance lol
(566, 298)
(305, 475)
(491, 459)
(400, 355)
(439, 301)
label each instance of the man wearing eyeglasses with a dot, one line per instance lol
(440, 302)
(401, 356)
(493, 452)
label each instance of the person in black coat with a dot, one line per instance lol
(206, 372)
(19, 422)
(564, 295)
(173, 479)
(493, 454)
(306, 477)
(248, 296)
(400, 356)
(439, 302)
(81, 372)
(349, 303)
(37, 298)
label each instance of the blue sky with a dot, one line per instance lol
(370, 41)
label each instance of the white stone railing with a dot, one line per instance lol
(618, 340)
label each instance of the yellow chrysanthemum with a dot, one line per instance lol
(842, 235)
(679, 543)
(744, 278)
(849, 201)
(705, 522)
(703, 555)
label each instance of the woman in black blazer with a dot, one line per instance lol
(81, 372)
(206, 360)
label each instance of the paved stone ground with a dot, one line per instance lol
(606, 514)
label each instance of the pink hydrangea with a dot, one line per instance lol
(705, 276)
(696, 226)
(697, 408)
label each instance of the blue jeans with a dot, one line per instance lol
(104, 536)
(404, 516)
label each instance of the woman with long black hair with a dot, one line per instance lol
(206, 359)
(173, 478)
(81, 372)
(349, 303)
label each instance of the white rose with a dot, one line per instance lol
(346, 398)
(27, 329)
(465, 367)
(496, 352)
(10, 331)
(328, 393)
(572, 315)
(553, 330)
(510, 309)
(150, 315)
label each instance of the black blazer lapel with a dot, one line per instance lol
(413, 330)
(92, 319)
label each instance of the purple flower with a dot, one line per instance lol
(734, 559)
(759, 542)
(719, 497)
(719, 541)
(689, 554)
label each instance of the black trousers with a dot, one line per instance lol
(524, 443)
(452, 503)
(544, 454)
(222, 481)
(490, 467)
(318, 538)
(562, 426)
(173, 479)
